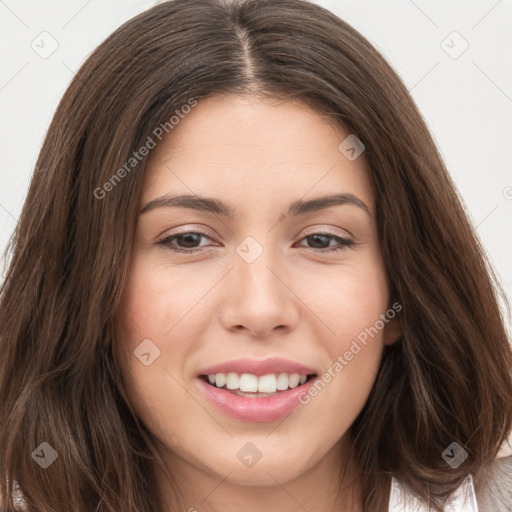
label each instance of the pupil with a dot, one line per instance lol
(189, 236)
(316, 237)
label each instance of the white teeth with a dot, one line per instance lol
(293, 380)
(282, 381)
(220, 380)
(249, 383)
(232, 381)
(267, 383)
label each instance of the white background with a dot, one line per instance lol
(466, 101)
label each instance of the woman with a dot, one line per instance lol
(337, 342)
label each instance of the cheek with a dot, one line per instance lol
(351, 301)
(152, 315)
(135, 305)
(354, 313)
(147, 311)
(155, 298)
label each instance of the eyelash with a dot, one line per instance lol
(344, 243)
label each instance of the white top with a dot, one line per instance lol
(462, 500)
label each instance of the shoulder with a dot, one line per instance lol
(462, 500)
(494, 491)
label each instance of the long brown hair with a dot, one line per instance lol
(448, 379)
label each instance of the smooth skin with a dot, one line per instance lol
(210, 305)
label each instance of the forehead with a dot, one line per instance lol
(253, 148)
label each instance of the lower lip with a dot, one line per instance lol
(263, 409)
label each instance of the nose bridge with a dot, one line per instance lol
(256, 269)
(260, 299)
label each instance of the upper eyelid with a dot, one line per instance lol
(318, 231)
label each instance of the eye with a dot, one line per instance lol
(188, 240)
(321, 239)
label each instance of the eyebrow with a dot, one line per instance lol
(212, 205)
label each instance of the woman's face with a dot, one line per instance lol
(253, 287)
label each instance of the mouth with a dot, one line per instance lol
(263, 402)
(254, 386)
(255, 390)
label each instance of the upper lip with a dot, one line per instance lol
(259, 367)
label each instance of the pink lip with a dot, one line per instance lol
(264, 409)
(259, 367)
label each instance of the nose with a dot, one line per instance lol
(260, 297)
